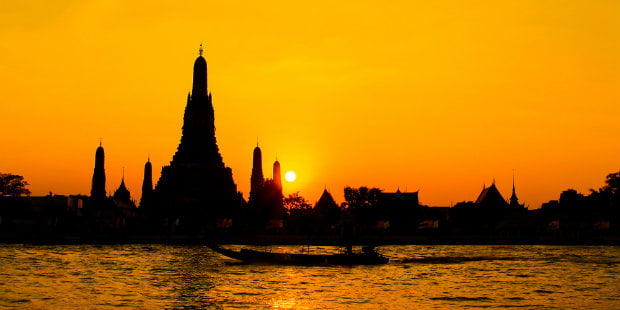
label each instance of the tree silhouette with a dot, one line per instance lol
(296, 202)
(13, 185)
(570, 199)
(361, 198)
(613, 182)
(613, 187)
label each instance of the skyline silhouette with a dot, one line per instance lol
(196, 197)
(197, 181)
(440, 99)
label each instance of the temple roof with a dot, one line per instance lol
(122, 193)
(326, 201)
(491, 197)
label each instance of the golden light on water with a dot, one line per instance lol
(172, 277)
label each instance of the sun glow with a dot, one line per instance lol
(290, 176)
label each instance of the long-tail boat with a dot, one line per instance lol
(368, 256)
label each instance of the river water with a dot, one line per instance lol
(417, 277)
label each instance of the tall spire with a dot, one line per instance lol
(277, 176)
(147, 183)
(97, 190)
(257, 168)
(198, 141)
(256, 179)
(197, 184)
(199, 89)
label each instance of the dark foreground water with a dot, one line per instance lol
(417, 277)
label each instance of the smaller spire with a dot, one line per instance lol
(200, 50)
(513, 180)
(513, 199)
(100, 141)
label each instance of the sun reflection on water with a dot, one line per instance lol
(286, 303)
(161, 276)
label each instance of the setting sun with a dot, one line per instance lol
(290, 176)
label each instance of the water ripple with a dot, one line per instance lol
(193, 277)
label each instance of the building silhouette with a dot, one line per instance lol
(326, 211)
(399, 211)
(123, 207)
(256, 179)
(122, 193)
(277, 176)
(514, 201)
(398, 200)
(276, 197)
(197, 185)
(326, 203)
(97, 191)
(266, 198)
(490, 197)
(147, 184)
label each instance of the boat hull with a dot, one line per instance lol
(252, 256)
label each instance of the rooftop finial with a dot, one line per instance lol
(200, 50)
(100, 141)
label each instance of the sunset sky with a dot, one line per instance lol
(437, 96)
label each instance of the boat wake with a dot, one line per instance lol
(451, 259)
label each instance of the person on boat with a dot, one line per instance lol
(369, 249)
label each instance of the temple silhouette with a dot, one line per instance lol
(196, 198)
(97, 191)
(147, 185)
(265, 204)
(196, 186)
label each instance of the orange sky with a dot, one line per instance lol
(436, 96)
